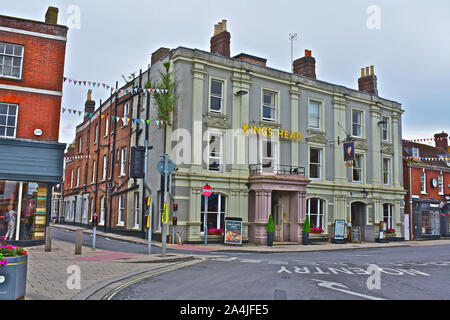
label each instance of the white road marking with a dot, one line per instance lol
(225, 259)
(333, 285)
(279, 263)
(250, 261)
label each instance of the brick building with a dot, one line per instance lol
(97, 167)
(426, 171)
(32, 56)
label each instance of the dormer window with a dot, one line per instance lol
(415, 152)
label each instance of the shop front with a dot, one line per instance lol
(445, 217)
(427, 219)
(28, 172)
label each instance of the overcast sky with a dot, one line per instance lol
(409, 44)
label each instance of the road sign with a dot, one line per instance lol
(170, 167)
(207, 191)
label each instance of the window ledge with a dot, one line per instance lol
(120, 224)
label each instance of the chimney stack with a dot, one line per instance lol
(306, 66)
(368, 81)
(158, 54)
(220, 42)
(89, 106)
(51, 17)
(441, 140)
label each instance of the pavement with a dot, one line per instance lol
(62, 275)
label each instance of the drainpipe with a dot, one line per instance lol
(411, 215)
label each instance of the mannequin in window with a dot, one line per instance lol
(10, 219)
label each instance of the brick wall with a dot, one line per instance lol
(122, 141)
(43, 68)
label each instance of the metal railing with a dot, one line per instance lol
(277, 169)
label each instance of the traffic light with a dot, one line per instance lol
(95, 220)
(137, 162)
(175, 207)
(174, 221)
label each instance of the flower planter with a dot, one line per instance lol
(270, 237)
(305, 238)
(13, 278)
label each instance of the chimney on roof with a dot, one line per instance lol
(51, 17)
(158, 54)
(89, 106)
(368, 81)
(220, 42)
(441, 140)
(306, 66)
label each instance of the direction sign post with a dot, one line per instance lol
(207, 192)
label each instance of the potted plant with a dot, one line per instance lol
(306, 231)
(270, 231)
(13, 271)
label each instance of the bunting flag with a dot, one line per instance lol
(426, 159)
(77, 157)
(106, 86)
(426, 140)
(124, 120)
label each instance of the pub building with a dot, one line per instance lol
(270, 141)
(31, 159)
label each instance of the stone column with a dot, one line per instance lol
(197, 116)
(397, 149)
(295, 95)
(339, 110)
(375, 116)
(263, 203)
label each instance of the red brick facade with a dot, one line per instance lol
(38, 92)
(97, 143)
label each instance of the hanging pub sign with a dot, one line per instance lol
(349, 153)
(233, 231)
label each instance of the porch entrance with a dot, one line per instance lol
(358, 212)
(281, 216)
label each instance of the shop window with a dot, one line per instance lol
(269, 108)
(136, 209)
(8, 120)
(23, 210)
(441, 184)
(314, 114)
(123, 162)
(269, 156)
(430, 223)
(11, 60)
(217, 211)
(215, 152)
(423, 184)
(357, 124)
(315, 160)
(388, 215)
(216, 96)
(385, 129)
(386, 172)
(358, 168)
(121, 207)
(315, 209)
(102, 210)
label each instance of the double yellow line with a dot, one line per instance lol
(110, 295)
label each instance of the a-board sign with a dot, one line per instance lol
(356, 235)
(339, 230)
(233, 231)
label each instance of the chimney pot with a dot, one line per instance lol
(51, 17)
(368, 81)
(306, 66)
(220, 42)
